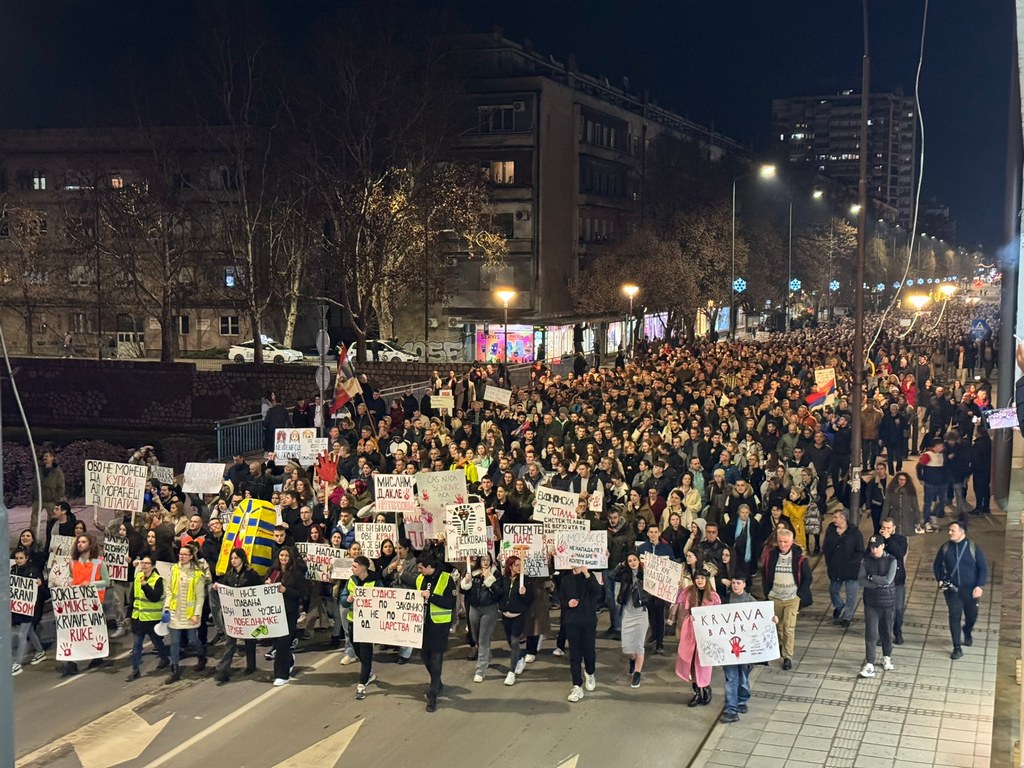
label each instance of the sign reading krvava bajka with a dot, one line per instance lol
(110, 485)
(253, 613)
(740, 633)
(388, 616)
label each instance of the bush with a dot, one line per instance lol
(72, 458)
(20, 474)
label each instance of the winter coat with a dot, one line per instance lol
(902, 506)
(688, 665)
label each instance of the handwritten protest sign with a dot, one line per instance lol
(551, 501)
(24, 593)
(253, 613)
(740, 633)
(110, 485)
(661, 576)
(498, 395)
(115, 554)
(81, 628)
(526, 541)
(388, 616)
(342, 568)
(465, 531)
(561, 519)
(436, 491)
(203, 478)
(319, 558)
(163, 475)
(394, 493)
(416, 528)
(443, 401)
(587, 549)
(370, 536)
(58, 564)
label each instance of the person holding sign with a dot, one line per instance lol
(688, 665)
(579, 593)
(632, 605)
(147, 603)
(87, 567)
(22, 622)
(238, 574)
(516, 598)
(737, 676)
(362, 576)
(437, 588)
(483, 588)
(290, 578)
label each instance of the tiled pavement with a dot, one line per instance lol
(929, 711)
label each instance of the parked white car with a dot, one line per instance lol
(272, 352)
(385, 351)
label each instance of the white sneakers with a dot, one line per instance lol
(530, 658)
(887, 664)
(521, 665)
(558, 652)
(38, 658)
(576, 694)
(372, 678)
(510, 678)
(868, 670)
(591, 682)
(360, 692)
(346, 660)
(278, 682)
(15, 669)
(478, 678)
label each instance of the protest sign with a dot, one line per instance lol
(370, 536)
(303, 445)
(587, 549)
(115, 554)
(737, 633)
(311, 446)
(110, 485)
(342, 568)
(319, 558)
(1002, 418)
(595, 502)
(436, 491)
(551, 501)
(81, 628)
(203, 478)
(388, 616)
(253, 613)
(465, 531)
(58, 565)
(661, 576)
(416, 528)
(163, 475)
(394, 493)
(561, 519)
(526, 541)
(498, 395)
(24, 592)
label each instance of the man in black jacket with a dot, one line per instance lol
(896, 545)
(843, 550)
(876, 576)
(787, 583)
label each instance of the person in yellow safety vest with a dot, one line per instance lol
(362, 576)
(461, 461)
(147, 605)
(183, 607)
(87, 567)
(438, 590)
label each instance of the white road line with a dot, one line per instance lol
(82, 675)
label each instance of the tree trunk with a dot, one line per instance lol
(291, 318)
(30, 331)
(167, 345)
(257, 337)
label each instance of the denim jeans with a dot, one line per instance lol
(139, 637)
(25, 634)
(933, 494)
(193, 640)
(482, 622)
(737, 686)
(847, 606)
(350, 650)
(959, 497)
(611, 592)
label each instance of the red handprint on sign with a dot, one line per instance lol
(65, 649)
(737, 646)
(99, 646)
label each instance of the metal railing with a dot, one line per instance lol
(239, 436)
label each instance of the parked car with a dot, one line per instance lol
(385, 351)
(273, 352)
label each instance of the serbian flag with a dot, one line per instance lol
(342, 355)
(824, 392)
(345, 390)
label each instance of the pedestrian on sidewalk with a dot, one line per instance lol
(843, 549)
(981, 471)
(896, 544)
(688, 663)
(737, 676)
(962, 572)
(787, 583)
(877, 574)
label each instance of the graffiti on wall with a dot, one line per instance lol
(436, 351)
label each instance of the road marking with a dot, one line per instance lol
(569, 762)
(324, 753)
(81, 675)
(234, 715)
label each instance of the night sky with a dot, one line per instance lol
(719, 62)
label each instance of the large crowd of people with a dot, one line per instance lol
(721, 456)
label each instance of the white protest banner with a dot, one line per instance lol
(115, 554)
(581, 549)
(81, 628)
(253, 613)
(203, 478)
(394, 493)
(24, 593)
(465, 531)
(320, 559)
(370, 536)
(388, 616)
(110, 485)
(311, 446)
(436, 491)
(342, 569)
(550, 501)
(442, 402)
(58, 565)
(737, 633)
(1002, 418)
(416, 528)
(526, 541)
(661, 576)
(595, 502)
(498, 395)
(295, 443)
(163, 475)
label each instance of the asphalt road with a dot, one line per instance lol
(97, 720)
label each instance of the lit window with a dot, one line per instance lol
(231, 279)
(116, 181)
(229, 325)
(502, 172)
(38, 181)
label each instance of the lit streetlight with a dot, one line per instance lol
(765, 172)
(948, 290)
(918, 300)
(630, 290)
(506, 295)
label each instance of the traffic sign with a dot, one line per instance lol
(323, 341)
(323, 377)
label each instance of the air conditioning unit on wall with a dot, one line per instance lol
(518, 106)
(523, 215)
(455, 322)
(432, 322)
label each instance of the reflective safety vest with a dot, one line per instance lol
(84, 572)
(438, 615)
(144, 609)
(351, 587)
(195, 580)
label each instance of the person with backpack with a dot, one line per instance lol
(962, 572)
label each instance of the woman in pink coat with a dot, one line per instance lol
(688, 666)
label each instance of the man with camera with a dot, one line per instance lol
(961, 570)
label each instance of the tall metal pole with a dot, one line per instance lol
(426, 282)
(504, 346)
(789, 283)
(630, 327)
(6, 686)
(857, 362)
(732, 283)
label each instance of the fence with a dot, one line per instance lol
(239, 436)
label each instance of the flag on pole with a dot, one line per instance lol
(345, 390)
(342, 355)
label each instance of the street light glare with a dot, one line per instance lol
(817, 194)
(948, 289)
(918, 300)
(506, 295)
(767, 172)
(855, 209)
(631, 290)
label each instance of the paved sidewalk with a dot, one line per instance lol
(929, 711)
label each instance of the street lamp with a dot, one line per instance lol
(918, 300)
(765, 172)
(630, 290)
(506, 295)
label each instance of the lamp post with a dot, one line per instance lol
(765, 172)
(947, 289)
(506, 295)
(630, 290)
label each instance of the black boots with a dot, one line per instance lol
(201, 664)
(175, 675)
(698, 697)
(705, 695)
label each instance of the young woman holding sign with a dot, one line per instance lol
(362, 576)
(483, 587)
(239, 574)
(632, 603)
(87, 567)
(291, 582)
(23, 630)
(688, 665)
(515, 601)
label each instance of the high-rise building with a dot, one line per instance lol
(822, 133)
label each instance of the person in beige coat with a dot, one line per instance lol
(184, 597)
